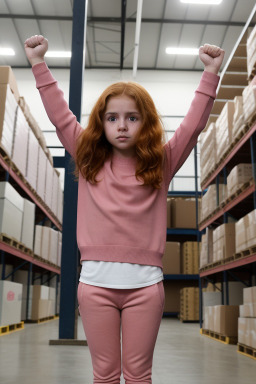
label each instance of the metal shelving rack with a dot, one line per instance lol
(233, 81)
(18, 258)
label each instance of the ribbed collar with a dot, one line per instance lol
(128, 163)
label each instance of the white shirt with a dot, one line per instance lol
(119, 275)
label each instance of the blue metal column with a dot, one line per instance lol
(69, 262)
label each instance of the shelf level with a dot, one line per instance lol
(181, 231)
(28, 192)
(15, 252)
(234, 150)
(181, 277)
(231, 265)
(247, 192)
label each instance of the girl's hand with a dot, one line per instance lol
(35, 48)
(212, 57)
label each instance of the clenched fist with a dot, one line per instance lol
(35, 48)
(212, 57)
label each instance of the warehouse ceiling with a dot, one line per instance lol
(110, 32)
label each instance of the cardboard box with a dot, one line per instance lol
(41, 174)
(251, 229)
(241, 234)
(40, 292)
(45, 242)
(38, 240)
(20, 142)
(249, 102)
(171, 258)
(32, 157)
(238, 176)
(208, 320)
(224, 241)
(208, 153)
(11, 206)
(172, 296)
(60, 204)
(53, 246)
(183, 213)
(8, 108)
(10, 302)
(226, 320)
(169, 207)
(7, 77)
(241, 330)
(249, 295)
(28, 224)
(224, 124)
(247, 310)
(40, 309)
(48, 184)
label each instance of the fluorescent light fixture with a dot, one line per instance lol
(64, 54)
(206, 2)
(181, 51)
(7, 52)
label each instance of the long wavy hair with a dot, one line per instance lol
(93, 149)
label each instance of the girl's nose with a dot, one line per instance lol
(122, 125)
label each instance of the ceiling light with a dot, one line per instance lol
(206, 2)
(181, 51)
(7, 52)
(64, 54)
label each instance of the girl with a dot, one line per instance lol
(124, 172)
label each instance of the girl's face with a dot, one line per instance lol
(122, 121)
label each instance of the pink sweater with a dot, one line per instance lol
(118, 219)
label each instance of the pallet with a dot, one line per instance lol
(218, 337)
(246, 350)
(15, 244)
(6, 330)
(43, 320)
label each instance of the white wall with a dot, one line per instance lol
(171, 91)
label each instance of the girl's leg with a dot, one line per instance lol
(141, 317)
(101, 321)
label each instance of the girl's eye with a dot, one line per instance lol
(112, 118)
(133, 118)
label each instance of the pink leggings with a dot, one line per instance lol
(137, 313)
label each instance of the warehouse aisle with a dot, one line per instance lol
(182, 356)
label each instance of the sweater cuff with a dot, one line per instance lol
(42, 75)
(208, 84)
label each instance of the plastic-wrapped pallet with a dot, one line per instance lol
(224, 125)
(247, 318)
(206, 253)
(208, 158)
(209, 200)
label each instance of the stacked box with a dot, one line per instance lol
(10, 303)
(48, 184)
(38, 240)
(21, 277)
(169, 207)
(7, 77)
(222, 319)
(239, 175)
(171, 258)
(32, 160)
(41, 173)
(209, 199)
(59, 249)
(189, 304)
(53, 246)
(60, 204)
(11, 206)
(224, 125)
(54, 203)
(246, 232)
(183, 213)
(238, 119)
(40, 302)
(249, 102)
(223, 241)
(251, 52)
(47, 244)
(208, 157)
(8, 108)
(20, 142)
(206, 254)
(28, 224)
(190, 257)
(247, 318)
(30, 119)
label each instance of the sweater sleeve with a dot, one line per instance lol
(67, 127)
(179, 147)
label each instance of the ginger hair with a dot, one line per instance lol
(93, 149)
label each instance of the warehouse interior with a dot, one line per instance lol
(208, 328)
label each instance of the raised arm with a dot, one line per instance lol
(67, 126)
(185, 138)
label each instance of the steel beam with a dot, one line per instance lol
(69, 262)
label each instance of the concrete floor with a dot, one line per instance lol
(182, 356)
